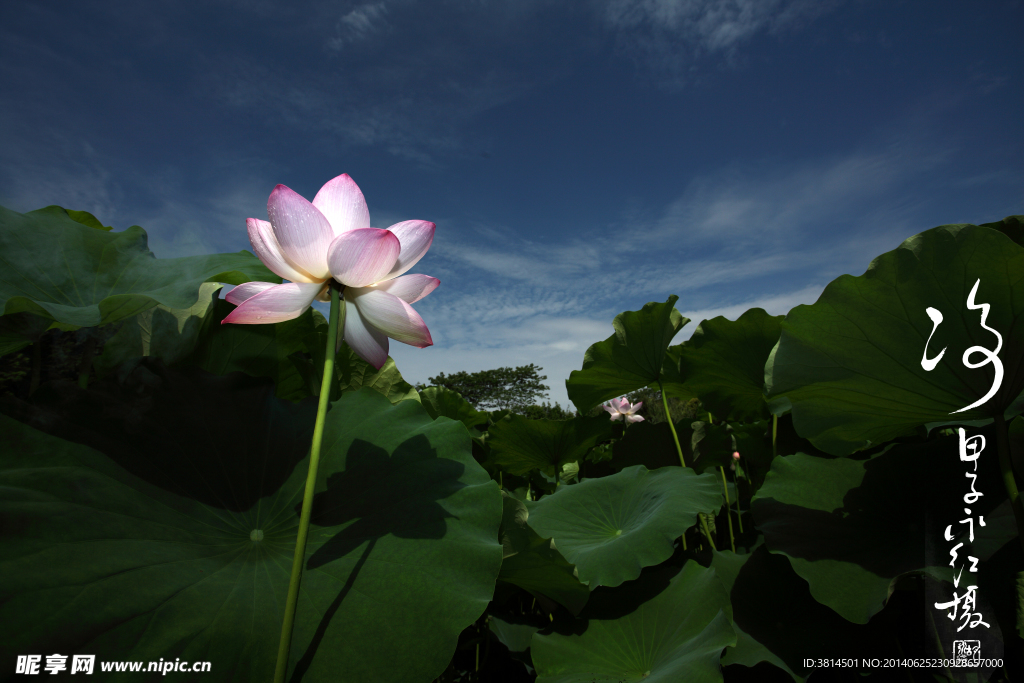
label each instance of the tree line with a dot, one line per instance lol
(518, 390)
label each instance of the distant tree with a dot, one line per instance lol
(548, 412)
(511, 388)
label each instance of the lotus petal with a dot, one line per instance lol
(416, 238)
(302, 231)
(268, 249)
(275, 304)
(409, 288)
(369, 343)
(392, 316)
(245, 291)
(362, 257)
(341, 201)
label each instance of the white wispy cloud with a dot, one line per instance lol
(359, 24)
(668, 36)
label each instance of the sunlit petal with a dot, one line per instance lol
(369, 343)
(361, 257)
(265, 245)
(245, 291)
(341, 202)
(409, 288)
(275, 304)
(301, 230)
(392, 316)
(416, 238)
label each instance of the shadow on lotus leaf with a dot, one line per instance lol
(377, 494)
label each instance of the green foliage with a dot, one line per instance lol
(723, 364)
(629, 359)
(502, 389)
(631, 521)
(520, 444)
(851, 365)
(403, 517)
(532, 562)
(675, 635)
(548, 412)
(63, 270)
(142, 445)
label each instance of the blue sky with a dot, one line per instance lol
(579, 158)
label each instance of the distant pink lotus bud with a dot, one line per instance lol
(620, 407)
(736, 455)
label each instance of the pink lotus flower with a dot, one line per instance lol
(620, 407)
(735, 455)
(310, 243)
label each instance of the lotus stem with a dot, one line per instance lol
(728, 509)
(775, 434)
(707, 532)
(668, 418)
(1006, 468)
(307, 499)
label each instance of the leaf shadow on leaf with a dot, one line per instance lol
(384, 494)
(370, 492)
(167, 427)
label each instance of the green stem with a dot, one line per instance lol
(728, 509)
(307, 499)
(707, 532)
(668, 418)
(775, 434)
(1006, 467)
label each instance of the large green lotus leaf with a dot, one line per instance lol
(18, 330)
(1011, 226)
(61, 269)
(163, 525)
(778, 621)
(440, 401)
(352, 372)
(196, 336)
(677, 635)
(531, 562)
(651, 445)
(723, 364)
(519, 444)
(166, 333)
(355, 373)
(712, 445)
(851, 364)
(629, 359)
(257, 350)
(849, 527)
(83, 217)
(614, 526)
(515, 636)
